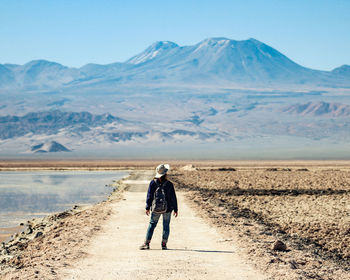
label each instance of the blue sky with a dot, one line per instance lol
(313, 33)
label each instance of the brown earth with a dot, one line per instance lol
(102, 242)
(306, 207)
(102, 164)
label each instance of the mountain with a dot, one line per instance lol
(236, 99)
(213, 61)
(39, 74)
(51, 122)
(50, 147)
(319, 109)
(7, 77)
(220, 59)
(343, 70)
(45, 74)
(87, 127)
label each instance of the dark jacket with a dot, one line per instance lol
(170, 195)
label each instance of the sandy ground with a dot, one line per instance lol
(196, 250)
(227, 224)
(307, 210)
(104, 164)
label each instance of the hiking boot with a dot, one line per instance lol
(164, 247)
(144, 246)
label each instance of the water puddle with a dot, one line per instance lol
(27, 195)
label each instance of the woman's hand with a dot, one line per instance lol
(147, 212)
(175, 214)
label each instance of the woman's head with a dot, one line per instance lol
(161, 170)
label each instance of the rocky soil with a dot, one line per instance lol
(293, 222)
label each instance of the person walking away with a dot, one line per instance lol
(161, 201)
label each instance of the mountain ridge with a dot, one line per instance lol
(320, 108)
(216, 60)
(50, 122)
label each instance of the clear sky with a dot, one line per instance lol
(313, 33)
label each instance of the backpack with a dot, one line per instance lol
(159, 204)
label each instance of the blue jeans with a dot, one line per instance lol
(153, 223)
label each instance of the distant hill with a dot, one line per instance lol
(50, 122)
(319, 109)
(50, 147)
(85, 127)
(212, 61)
(343, 70)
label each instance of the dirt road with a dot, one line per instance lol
(196, 250)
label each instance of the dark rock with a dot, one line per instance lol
(38, 234)
(293, 264)
(226, 169)
(279, 246)
(302, 169)
(272, 169)
(59, 216)
(29, 230)
(21, 246)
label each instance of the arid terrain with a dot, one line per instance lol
(306, 206)
(287, 220)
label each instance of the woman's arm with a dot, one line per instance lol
(150, 195)
(173, 199)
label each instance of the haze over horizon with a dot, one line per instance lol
(313, 33)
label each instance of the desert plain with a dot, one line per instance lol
(284, 219)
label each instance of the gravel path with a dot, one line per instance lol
(196, 250)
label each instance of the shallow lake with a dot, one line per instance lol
(27, 195)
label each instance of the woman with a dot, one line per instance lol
(158, 188)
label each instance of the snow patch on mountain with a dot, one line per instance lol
(156, 49)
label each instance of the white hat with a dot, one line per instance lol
(161, 170)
